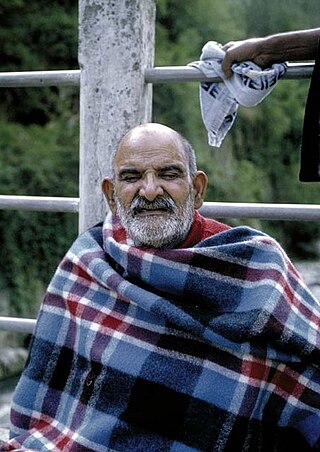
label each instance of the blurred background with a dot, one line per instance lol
(39, 131)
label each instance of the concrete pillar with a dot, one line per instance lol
(116, 45)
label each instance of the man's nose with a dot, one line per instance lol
(151, 187)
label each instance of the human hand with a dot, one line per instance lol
(237, 51)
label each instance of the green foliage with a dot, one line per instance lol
(34, 161)
(38, 144)
(264, 18)
(36, 35)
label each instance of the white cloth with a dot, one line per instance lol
(219, 101)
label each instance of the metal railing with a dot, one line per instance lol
(265, 211)
(179, 74)
(164, 74)
(26, 79)
(39, 203)
(172, 74)
(17, 324)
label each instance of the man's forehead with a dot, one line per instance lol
(140, 146)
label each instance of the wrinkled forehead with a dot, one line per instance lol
(150, 146)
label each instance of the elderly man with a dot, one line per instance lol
(165, 331)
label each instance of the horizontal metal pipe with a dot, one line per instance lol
(178, 74)
(299, 71)
(163, 74)
(17, 324)
(39, 203)
(40, 78)
(300, 212)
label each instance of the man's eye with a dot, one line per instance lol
(170, 175)
(130, 178)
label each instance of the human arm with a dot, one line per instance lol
(277, 48)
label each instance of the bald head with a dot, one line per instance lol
(151, 128)
(160, 134)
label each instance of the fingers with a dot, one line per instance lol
(237, 51)
(227, 46)
(230, 49)
(226, 66)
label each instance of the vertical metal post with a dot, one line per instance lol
(116, 45)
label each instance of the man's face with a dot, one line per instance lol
(153, 191)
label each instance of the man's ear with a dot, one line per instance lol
(108, 191)
(200, 182)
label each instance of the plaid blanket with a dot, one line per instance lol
(210, 348)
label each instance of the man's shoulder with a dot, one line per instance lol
(243, 237)
(90, 239)
(96, 233)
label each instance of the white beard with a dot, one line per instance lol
(157, 231)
